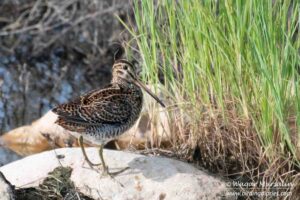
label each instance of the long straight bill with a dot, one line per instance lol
(149, 92)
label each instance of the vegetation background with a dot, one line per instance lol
(228, 70)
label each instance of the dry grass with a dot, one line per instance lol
(232, 150)
(46, 22)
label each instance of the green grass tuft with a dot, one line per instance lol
(212, 53)
(232, 67)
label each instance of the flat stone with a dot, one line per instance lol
(147, 177)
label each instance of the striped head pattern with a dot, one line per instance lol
(123, 70)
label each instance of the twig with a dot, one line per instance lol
(37, 28)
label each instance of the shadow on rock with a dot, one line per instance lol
(159, 169)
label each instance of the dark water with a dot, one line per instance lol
(29, 88)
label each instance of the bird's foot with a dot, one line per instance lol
(91, 165)
(106, 172)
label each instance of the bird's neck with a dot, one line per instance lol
(120, 81)
(123, 83)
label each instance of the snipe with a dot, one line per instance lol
(102, 115)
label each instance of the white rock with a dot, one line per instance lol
(147, 178)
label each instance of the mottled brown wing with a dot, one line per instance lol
(114, 108)
(101, 107)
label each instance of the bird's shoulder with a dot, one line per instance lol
(111, 93)
(112, 96)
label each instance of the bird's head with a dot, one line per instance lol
(124, 71)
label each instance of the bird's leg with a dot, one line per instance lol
(105, 167)
(80, 141)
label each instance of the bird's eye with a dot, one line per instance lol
(125, 67)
